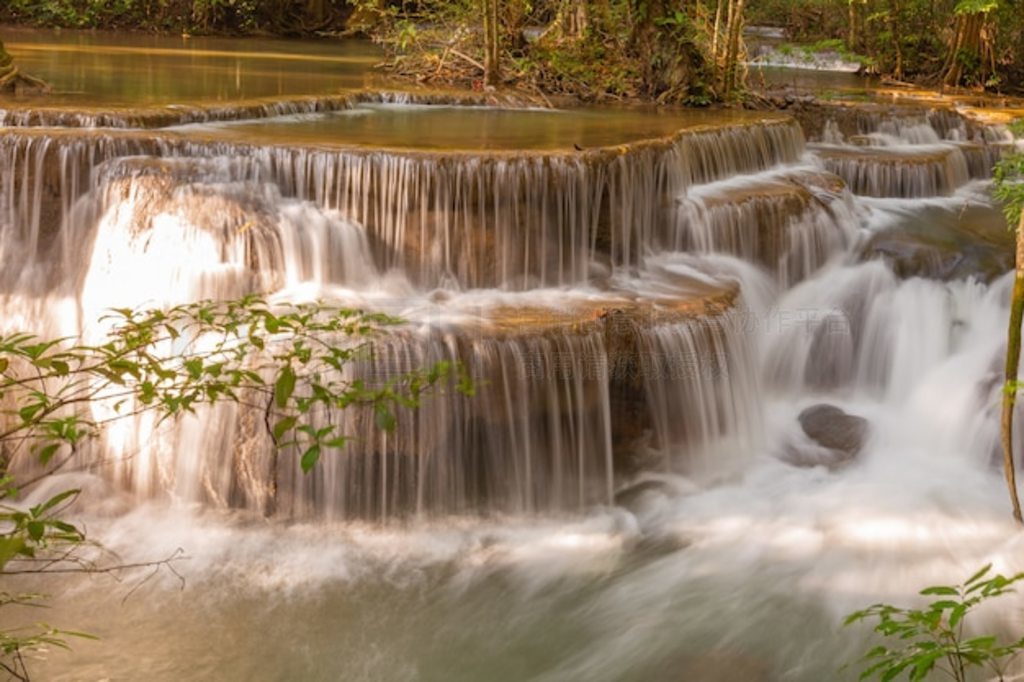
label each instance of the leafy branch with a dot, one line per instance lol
(933, 638)
(290, 362)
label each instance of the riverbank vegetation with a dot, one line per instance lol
(232, 17)
(619, 49)
(689, 52)
(974, 43)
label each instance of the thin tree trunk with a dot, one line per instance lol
(852, 17)
(733, 46)
(492, 48)
(895, 22)
(1010, 376)
(717, 32)
(576, 18)
(316, 10)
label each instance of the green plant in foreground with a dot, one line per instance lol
(1008, 175)
(286, 362)
(932, 639)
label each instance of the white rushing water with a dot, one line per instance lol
(505, 553)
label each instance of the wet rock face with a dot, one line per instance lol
(836, 438)
(918, 256)
(947, 245)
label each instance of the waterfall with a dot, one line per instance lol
(515, 222)
(912, 171)
(790, 222)
(619, 307)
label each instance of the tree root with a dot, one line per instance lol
(13, 80)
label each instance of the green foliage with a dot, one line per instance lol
(975, 6)
(811, 51)
(620, 50)
(932, 639)
(206, 16)
(910, 38)
(286, 361)
(1009, 180)
(15, 641)
(229, 347)
(29, 532)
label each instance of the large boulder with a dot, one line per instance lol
(836, 438)
(830, 427)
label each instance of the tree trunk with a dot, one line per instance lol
(574, 18)
(852, 18)
(492, 46)
(969, 46)
(715, 38)
(895, 22)
(316, 10)
(1010, 376)
(730, 80)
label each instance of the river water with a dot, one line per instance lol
(630, 495)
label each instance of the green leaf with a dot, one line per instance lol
(979, 575)
(893, 672)
(309, 458)
(283, 426)
(284, 386)
(65, 527)
(986, 642)
(29, 412)
(194, 366)
(36, 529)
(941, 589)
(923, 667)
(41, 509)
(10, 547)
(46, 454)
(957, 615)
(384, 419)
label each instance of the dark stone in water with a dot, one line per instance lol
(832, 428)
(838, 435)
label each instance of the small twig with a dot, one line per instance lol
(178, 555)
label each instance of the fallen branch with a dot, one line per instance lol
(467, 58)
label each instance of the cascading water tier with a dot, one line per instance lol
(537, 262)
